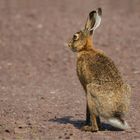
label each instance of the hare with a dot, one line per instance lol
(108, 96)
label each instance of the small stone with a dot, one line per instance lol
(67, 137)
(60, 137)
(71, 134)
(42, 98)
(65, 133)
(20, 127)
(7, 131)
(39, 26)
(136, 72)
(29, 123)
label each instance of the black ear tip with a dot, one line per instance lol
(91, 14)
(100, 11)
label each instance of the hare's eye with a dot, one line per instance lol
(75, 37)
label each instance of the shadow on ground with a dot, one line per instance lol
(68, 120)
(79, 123)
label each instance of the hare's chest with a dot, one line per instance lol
(83, 72)
(80, 68)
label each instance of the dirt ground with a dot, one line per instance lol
(40, 95)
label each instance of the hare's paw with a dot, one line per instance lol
(89, 128)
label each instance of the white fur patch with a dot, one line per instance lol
(97, 21)
(117, 123)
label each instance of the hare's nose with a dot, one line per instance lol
(69, 44)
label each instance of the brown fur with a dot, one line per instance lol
(107, 94)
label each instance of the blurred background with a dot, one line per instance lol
(40, 95)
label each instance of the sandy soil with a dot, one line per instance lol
(40, 95)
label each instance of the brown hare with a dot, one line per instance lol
(108, 96)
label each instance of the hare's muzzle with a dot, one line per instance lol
(69, 44)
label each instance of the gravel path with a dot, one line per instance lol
(40, 95)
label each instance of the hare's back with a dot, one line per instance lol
(104, 70)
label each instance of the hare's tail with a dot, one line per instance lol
(118, 123)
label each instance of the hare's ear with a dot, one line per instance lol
(90, 21)
(93, 20)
